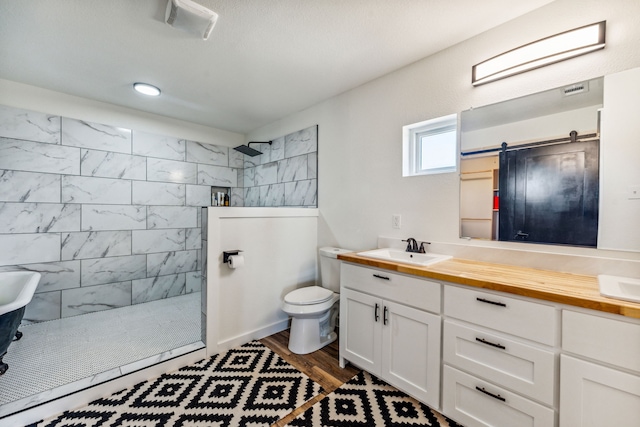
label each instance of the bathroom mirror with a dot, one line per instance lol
(542, 197)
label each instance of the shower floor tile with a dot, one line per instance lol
(59, 352)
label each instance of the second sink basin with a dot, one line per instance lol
(397, 255)
(617, 287)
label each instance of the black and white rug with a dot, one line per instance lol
(368, 401)
(246, 386)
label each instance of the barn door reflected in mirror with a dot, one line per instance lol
(549, 194)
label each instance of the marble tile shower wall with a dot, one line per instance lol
(285, 174)
(109, 216)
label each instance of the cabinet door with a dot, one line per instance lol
(360, 329)
(411, 351)
(592, 395)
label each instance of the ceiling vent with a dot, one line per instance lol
(576, 89)
(189, 16)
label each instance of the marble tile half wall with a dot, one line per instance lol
(109, 216)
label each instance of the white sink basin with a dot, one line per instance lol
(617, 287)
(16, 289)
(397, 255)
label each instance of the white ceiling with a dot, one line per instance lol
(265, 59)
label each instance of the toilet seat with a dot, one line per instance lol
(309, 302)
(309, 295)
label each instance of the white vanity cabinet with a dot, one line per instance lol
(386, 329)
(599, 370)
(499, 359)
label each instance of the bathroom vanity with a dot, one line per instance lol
(494, 345)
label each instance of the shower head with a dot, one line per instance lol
(245, 149)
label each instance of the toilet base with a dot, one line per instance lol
(314, 327)
(304, 336)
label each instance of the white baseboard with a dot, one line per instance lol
(256, 334)
(83, 397)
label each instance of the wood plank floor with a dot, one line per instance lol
(321, 366)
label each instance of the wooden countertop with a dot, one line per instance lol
(565, 288)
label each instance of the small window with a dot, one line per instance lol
(430, 146)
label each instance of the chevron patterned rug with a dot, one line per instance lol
(246, 386)
(368, 401)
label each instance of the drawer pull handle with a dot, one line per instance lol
(376, 314)
(492, 344)
(386, 317)
(495, 396)
(381, 277)
(498, 303)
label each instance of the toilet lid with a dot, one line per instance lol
(308, 295)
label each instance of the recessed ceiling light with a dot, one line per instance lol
(146, 89)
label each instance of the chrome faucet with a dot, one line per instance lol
(412, 246)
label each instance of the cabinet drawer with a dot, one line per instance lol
(525, 319)
(523, 368)
(476, 403)
(411, 291)
(607, 340)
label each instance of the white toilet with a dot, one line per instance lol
(314, 309)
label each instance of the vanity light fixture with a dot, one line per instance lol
(540, 53)
(146, 89)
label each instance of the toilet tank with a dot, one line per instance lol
(330, 267)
